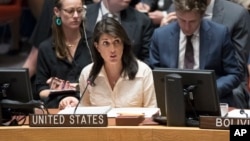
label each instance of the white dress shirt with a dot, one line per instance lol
(103, 10)
(139, 92)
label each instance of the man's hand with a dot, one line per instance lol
(156, 16)
(142, 7)
(169, 18)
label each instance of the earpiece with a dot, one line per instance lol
(84, 29)
(84, 11)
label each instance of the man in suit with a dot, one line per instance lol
(237, 20)
(137, 25)
(212, 47)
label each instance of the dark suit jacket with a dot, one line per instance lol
(166, 5)
(216, 53)
(151, 3)
(237, 19)
(137, 25)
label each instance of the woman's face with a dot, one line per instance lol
(110, 48)
(71, 13)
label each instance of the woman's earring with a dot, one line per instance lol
(58, 21)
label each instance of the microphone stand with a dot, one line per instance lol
(242, 111)
(188, 92)
(1, 119)
(81, 96)
(3, 93)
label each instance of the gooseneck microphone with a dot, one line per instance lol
(81, 96)
(242, 111)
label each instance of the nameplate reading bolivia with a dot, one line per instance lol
(214, 122)
(68, 120)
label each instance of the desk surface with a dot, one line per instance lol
(112, 133)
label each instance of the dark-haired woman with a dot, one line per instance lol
(116, 77)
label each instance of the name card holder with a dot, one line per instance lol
(68, 120)
(215, 122)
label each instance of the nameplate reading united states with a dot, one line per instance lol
(68, 120)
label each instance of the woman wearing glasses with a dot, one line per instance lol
(62, 56)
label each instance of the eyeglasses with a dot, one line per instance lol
(71, 11)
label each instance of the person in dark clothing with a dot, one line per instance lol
(62, 57)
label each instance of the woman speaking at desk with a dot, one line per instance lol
(115, 78)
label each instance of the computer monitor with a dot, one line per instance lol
(202, 100)
(14, 85)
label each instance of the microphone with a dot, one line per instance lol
(88, 83)
(242, 111)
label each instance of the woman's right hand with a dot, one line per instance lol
(69, 101)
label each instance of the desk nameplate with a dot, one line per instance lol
(68, 120)
(215, 122)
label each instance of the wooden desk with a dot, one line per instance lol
(112, 133)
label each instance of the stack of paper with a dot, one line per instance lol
(148, 112)
(111, 112)
(86, 110)
(238, 113)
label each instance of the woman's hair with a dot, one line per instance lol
(191, 5)
(112, 27)
(58, 34)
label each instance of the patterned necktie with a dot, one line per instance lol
(189, 54)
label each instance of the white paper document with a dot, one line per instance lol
(236, 113)
(111, 112)
(86, 110)
(148, 112)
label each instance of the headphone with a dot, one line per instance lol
(84, 11)
(84, 30)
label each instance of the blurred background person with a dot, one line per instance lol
(137, 25)
(244, 3)
(155, 9)
(10, 14)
